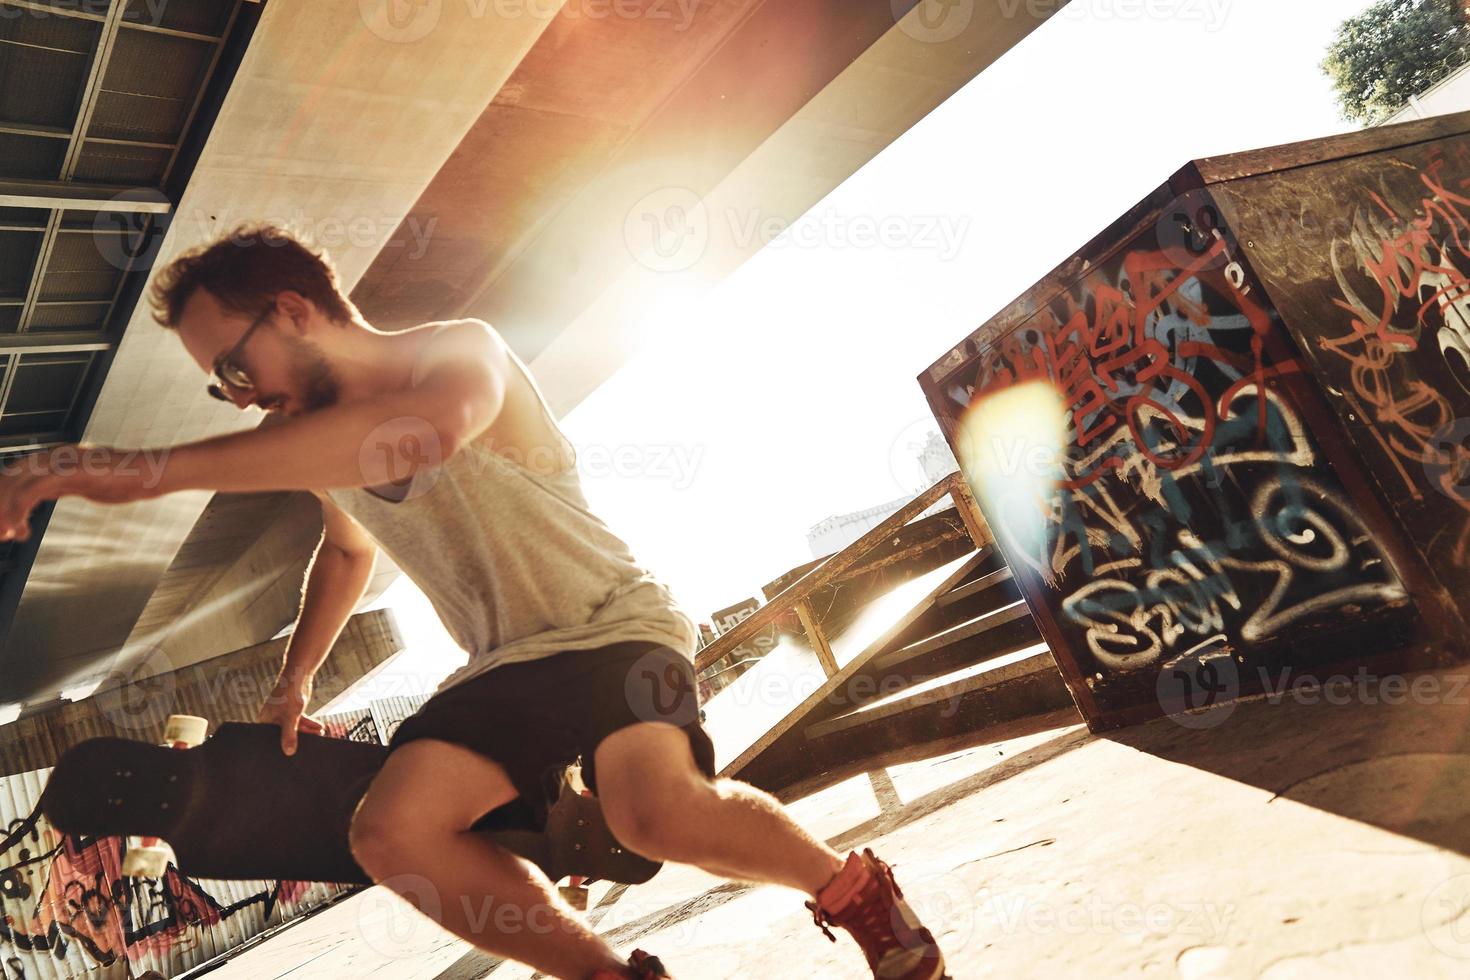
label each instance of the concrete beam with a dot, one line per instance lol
(82, 197)
(135, 704)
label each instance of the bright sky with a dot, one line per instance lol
(790, 393)
(793, 385)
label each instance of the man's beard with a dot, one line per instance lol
(313, 377)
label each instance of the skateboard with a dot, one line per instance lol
(236, 807)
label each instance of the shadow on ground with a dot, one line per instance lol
(1394, 753)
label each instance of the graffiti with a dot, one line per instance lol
(1127, 624)
(1401, 282)
(64, 900)
(1187, 511)
(1132, 356)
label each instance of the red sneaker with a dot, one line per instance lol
(643, 965)
(865, 900)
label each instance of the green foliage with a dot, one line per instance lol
(1393, 50)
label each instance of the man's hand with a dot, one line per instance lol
(99, 474)
(24, 483)
(286, 706)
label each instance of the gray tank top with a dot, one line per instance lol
(515, 563)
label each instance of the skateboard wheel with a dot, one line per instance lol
(145, 862)
(189, 730)
(575, 896)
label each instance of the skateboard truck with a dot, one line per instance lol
(149, 857)
(574, 892)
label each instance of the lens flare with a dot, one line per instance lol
(1009, 445)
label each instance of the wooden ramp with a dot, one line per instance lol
(966, 665)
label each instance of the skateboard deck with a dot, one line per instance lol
(236, 807)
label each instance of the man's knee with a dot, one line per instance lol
(426, 789)
(657, 819)
(380, 834)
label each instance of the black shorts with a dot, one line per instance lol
(537, 717)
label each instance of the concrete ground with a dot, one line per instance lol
(1297, 839)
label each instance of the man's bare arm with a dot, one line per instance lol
(362, 443)
(339, 575)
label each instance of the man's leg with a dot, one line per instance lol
(413, 824)
(658, 803)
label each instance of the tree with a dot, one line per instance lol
(1393, 50)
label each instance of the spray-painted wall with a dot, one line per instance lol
(66, 911)
(1206, 525)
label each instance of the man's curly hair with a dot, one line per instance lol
(244, 270)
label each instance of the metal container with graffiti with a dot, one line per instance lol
(1222, 445)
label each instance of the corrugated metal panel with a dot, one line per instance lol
(356, 726)
(31, 157)
(121, 164)
(43, 63)
(65, 911)
(198, 16)
(390, 712)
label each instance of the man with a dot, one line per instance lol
(436, 445)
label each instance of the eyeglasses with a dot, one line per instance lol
(229, 379)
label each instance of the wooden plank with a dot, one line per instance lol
(828, 572)
(982, 583)
(817, 638)
(979, 681)
(1334, 148)
(836, 681)
(967, 630)
(964, 501)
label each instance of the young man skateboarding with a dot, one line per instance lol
(436, 445)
